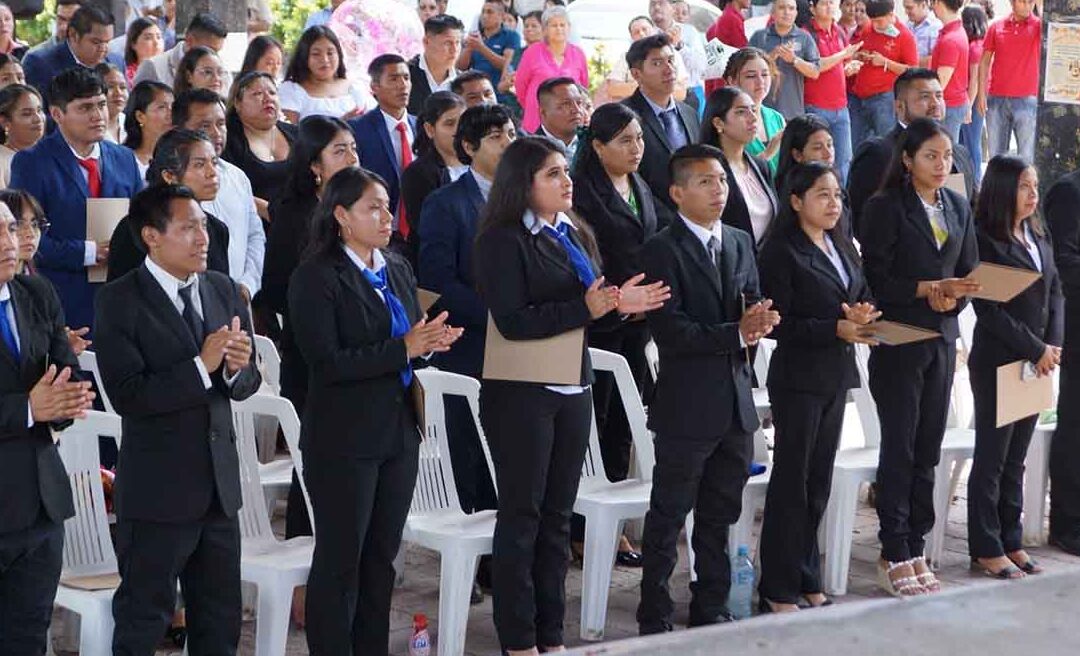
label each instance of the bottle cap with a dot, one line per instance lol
(419, 621)
(743, 550)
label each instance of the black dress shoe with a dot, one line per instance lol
(1068, 544)
(477, 595)
(652, 628)
(722, 617)
(628, 558)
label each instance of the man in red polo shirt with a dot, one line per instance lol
(888, 50)
(826, 96)
(1010, 68)
(730, 29)
(950, 60)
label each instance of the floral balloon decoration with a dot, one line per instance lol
(369, 28)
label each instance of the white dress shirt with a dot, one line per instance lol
(432, 84)
(90, 254)
(482, 182)
(703, 235)
(395, 138)
(235, 205)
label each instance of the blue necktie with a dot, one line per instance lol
(578, 259)
(676, 138)
(399, 320)
(6, 330)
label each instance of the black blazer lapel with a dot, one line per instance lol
(690, 245)
(733, 297)
(819, 261)
(652, 123)
(764, 181)
(916, 214)
(354, 281)
(164, 308)
(551, 250)
(66, 162)
(647, 217)
(215, 307)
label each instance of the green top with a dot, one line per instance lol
(774, 122)
(632, 201)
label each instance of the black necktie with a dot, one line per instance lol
(190, 316)
(715, 256)
(676, 138)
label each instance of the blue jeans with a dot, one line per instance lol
(871, 117)
(971, 137)
(839, 121)
(954, 118)
(1008, 116)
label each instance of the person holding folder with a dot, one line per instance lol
(1029, 327)
(537, 272)
(703, 410)
(917, 252)
(814, 275)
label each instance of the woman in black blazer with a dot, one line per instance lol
(436, 162)
(918, 246)
(1031, 328)
(357, 322)
(807, 138)
(323, 146)
(813, 274)
(537, 274)
(730, 124)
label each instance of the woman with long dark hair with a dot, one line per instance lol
(22, 124)
(617, 204)
(356, 319)
(144, 40)
(807, 139)
(917, 252)
(538, 275)
(201, 68)
(1030, 327)
(148, 116)
(813, 274)
(264, 54)
(751, 70)
(730, 124)
(315, 81)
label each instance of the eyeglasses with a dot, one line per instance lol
(211, 72)
(34, 225)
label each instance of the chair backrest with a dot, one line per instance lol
(764, 351)
(652, 360)
(864, 401)
(966, 319)
(88, 548)
(626, 388)
(435, 488)
(88, 363)
(268, 361)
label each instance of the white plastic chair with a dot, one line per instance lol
(275, 566)
(436, 520)
(88, 548)
(88, 363)
(606, 505)
(1036, 483)
(268, 361)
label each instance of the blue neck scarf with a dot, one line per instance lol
(580, 262)
(399, 320)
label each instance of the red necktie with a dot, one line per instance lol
(93, 176)
(406, 159)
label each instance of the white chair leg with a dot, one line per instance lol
(457, 571)
(839, 524)
(753, 498)
(95, 632)
(935, 541)
(272, 621)
(1036, 479)
(601, 542)
(690, 543)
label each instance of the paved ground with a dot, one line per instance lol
(420, 590)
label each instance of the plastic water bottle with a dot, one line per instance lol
(742, 584)
(420, 643)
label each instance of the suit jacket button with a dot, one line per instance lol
(213, 436)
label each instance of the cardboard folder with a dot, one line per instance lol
(1001, 283)
(426, 298)
(552, 360)
(893, 333)
(416, 392)
(1020, 393)
(102, 216)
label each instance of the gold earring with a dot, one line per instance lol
(318, 180)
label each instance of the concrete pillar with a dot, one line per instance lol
(118, 9)
(1057, 143)
(232, 12)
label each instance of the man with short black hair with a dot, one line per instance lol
(433, 69)
(667, 123)
(65, 9)
(494, 46)
(924, 25)
(174, 348)
(562, 112)
(475, 88)
(62, 171)
(205, 30)
(86, 44)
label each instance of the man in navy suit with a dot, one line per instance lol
(385, 135)
(447, 230)
(62, 171)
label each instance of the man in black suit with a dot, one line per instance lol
(173, 352)
(703, 411)
(667, 123)
(36, 497)
(918, 94)
(433, 69)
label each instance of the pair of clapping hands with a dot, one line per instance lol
(229, 345)
(631, 298)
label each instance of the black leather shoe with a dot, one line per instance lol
(722, 617)
(1068, 544)
(628, 558)
(654, 628)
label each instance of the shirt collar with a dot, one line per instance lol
(570, 146)
(391, 122)
(1020, 21)
(5, 292)
(534, 224)
(482, 182)
(657, 109)
(95, 152)
(704, 234)
(377, 259)
(170, 283)
(73, 56)
(436, 86)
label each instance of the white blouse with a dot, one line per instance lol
(295, 98)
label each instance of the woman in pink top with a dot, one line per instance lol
(555, 56)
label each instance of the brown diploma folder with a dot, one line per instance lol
(1021, 394)
(552, 360)
(892, 333)
(102, 215)
(1001, 283)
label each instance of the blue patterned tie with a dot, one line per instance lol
(6, 330)
(673, 129)
(578, 259)
(399, 320)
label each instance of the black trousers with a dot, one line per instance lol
(294, 388)
(807, 435)
(30, 562)
(205, 556)
(538, 439)
(706, 475)
(471, 476)
(360, 508)
(1065, 456)
(911, 385)
(996, 481)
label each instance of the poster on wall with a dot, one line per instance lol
(1062, 63)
